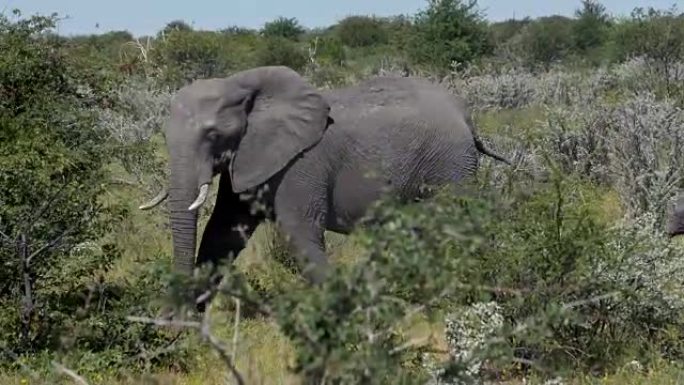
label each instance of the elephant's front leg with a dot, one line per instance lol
(229, 228)
(301, 210)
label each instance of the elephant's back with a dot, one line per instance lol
(421, 136)
(384, 91)
(391, 135)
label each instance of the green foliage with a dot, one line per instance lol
(237, 30)
(569, 289)
(281, 51)
(185, 55)
(448, 31)
(176, 25)
(399, 29)
(502, 32)
(361, 31)
(555, 248)
(330, 50)
(658, 37)
(52, 167)
(591, 28)
(653, 33)
(546, 40)
(283, 27)
(564, 285)
(352, 329)
(55, 296)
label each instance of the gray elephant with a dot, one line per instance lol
(319, 159)
(675, 227)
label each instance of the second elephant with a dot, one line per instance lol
(322, 157)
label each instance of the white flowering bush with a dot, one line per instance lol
(605, 130)
(510, 87)
(604, 125)
(634, 147)
(140, 108)
(646, 138)
(654, 267)
(467, 332)
(517, 87)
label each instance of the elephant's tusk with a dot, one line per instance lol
(156, 200)
(201, 197)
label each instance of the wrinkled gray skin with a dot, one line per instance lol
(323, 156)
(676, 226)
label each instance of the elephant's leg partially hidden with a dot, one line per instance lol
(300, 216)
(228, 230)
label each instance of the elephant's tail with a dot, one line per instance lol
(484, 150)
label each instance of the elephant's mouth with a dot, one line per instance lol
(219, 164)
(222, 160)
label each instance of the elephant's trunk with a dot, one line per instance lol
(191, 174)
(182, 192)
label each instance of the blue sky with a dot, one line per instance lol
(148, 16)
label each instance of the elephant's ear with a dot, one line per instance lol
(284, 117)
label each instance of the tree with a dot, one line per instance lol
(656, 34)
(176, 25)
(658, 37)
(448, 31)
(283, 27)
(591, 28)
(188, 55)
(546, 40)
(235, 30)
(503, 31)
(361, 31)
(281, 51)
(52, 165)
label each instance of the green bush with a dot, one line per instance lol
(284, 28)
(399, 29)
(185, 55)
(656, 34)
(658, 38)
(502, 33)
(361, 31)
(565, 289)
(176, 25)
(56, 298)
(281, 51)
(545, 41)
(51, 173)
(448, 31)
(330, 50)
(591, 28)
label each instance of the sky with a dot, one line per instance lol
(146, 17)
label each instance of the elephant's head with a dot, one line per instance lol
(251, 124)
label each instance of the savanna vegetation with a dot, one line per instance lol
(555, 270)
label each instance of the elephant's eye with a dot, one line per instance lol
(212, 135)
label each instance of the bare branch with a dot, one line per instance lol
(205, 331)
(236, 326)
(220, 348)
(50, 244)
(163, 322)
(70, 373)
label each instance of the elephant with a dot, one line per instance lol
(316, 159)
(675, 227)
